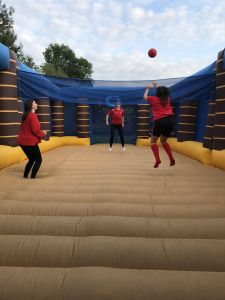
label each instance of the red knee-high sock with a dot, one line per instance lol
(155, 150)
(167, 148)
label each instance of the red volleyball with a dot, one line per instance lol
(152, 52)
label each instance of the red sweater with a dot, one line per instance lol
(117, 116)
(30, 131)
(158, 110)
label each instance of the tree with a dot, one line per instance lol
(63, 59)
(49, 69)
(8, 36)
(29, 61)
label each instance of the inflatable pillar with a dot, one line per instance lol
(219, 121)
(208, 138)
(174, 134)
(187, 121)
(43, 113)
(143, 121)
(83, 121)
(9, 116)
(57, 118)
(215, 128)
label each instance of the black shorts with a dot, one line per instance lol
(163, 126)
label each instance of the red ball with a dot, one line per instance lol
(152, 52)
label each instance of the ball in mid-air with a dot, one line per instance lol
(152, 52)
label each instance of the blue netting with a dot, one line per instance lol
(34, 86)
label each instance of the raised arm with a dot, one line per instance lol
(146, 91)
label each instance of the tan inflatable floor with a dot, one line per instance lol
(98, 225)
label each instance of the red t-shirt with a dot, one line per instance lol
(158, 110)
(117, 115)
(30, 131)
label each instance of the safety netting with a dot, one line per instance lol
(33, 86)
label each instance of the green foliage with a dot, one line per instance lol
(29, 61)
(63, 59)
(49, 69)
(8, 36)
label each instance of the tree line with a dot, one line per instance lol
(60, 59)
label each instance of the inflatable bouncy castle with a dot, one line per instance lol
(106, 225)
(76, 108)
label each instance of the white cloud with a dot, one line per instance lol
(116, 35)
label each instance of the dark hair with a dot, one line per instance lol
(163, 93)
(27, 109)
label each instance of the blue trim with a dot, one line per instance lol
(4, 57)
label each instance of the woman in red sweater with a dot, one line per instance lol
(117, 115)
(163, 121)
(30, 135)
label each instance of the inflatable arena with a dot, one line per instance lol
(107, 225)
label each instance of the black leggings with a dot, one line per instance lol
(119, 128)
(34, 160)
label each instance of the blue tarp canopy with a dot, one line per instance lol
(33, 86)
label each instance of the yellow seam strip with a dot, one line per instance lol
(13, 123)
(188, 116)
(43, 114)
(218, 74)
(5, 99)
(187, 124)
(186, 131)
(8, 136)
(188, 106)
(8, 73)
(8, 85)
(58, 132)
(220, 86)
(220, 100)
(8, 111)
